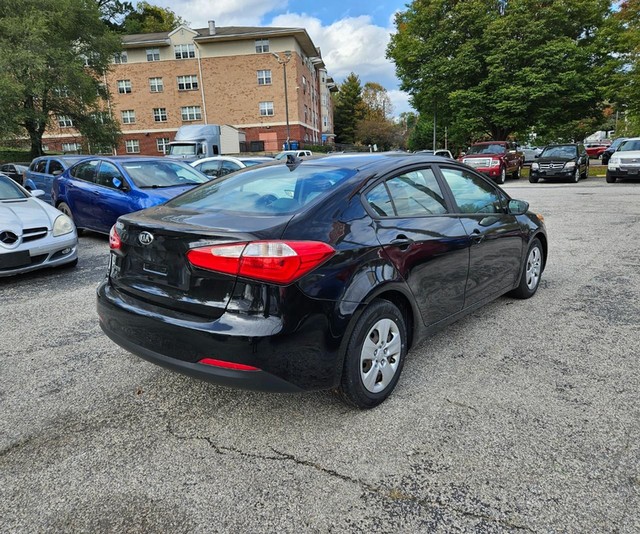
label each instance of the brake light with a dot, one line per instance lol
(228, 365)
(114, 239)
(281, 262)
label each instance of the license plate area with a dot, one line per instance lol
(11, 260)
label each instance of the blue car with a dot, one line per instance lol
(97, 190)
(43, 170)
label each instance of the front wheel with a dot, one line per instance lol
(375, 355)
(64, 208)
(611, 179)
(576, 175)
(503, 175)
(531, 272)
(533, 179)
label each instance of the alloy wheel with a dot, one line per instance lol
(534, 267)
(380, 355)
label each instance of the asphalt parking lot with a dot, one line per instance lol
(521, 417)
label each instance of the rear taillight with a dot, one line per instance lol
(281, 262)
(114, 239)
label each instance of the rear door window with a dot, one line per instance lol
(55, 166)
(41, 166)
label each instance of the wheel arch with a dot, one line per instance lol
(545, 247)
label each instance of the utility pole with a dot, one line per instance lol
(283, 62)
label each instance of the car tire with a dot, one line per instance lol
(533, 179)
(576, 175)
(64, 208)
(531, 272)
(517, 173)
(372, 366)
(585, 175)
(503, 175)
(611, 179)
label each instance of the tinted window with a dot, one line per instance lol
(380, 201)
(9, 190)
(471, 193)
(41, 166)
(162, 174)
(227, 167)
(55, 166)
(264, 191)
(86, 170)
(210, 168)
(416, 194)
(107, 173)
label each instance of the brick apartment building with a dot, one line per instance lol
(229, 75)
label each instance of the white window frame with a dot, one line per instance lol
(188, 82)
(65, 121)
(262, 46)
(132, 146)
(128, 116)
(266, 109)
(124, 87)
(120, 58)
(162, 143)
(69, 147)
(156, 85)
(184, 51)
(264, 77)
(191, 113)
(160, 114)
(153, 54)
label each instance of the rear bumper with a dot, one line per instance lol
(292, 353)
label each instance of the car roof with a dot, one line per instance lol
(216, 158)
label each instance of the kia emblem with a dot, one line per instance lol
(145, 238)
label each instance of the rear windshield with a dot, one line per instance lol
(162, 174)
(270, 190)
(487, 149)
(567, 151)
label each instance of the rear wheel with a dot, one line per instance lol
(375, 355)
(531, 273)
(64, 208)
(611, 179)
(517, 173)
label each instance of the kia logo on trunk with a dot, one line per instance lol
(145, 238)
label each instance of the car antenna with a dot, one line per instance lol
(293, 161)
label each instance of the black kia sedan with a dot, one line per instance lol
(569, 161)
(315, 274)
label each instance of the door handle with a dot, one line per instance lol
(402, 241)
(477, 237)
(97, 193)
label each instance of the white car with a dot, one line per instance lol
(296, 153)
(33, 234)
(216, 166)
(625, 162)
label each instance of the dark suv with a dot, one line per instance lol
(569, 161)
(606, 155)
(44, 169)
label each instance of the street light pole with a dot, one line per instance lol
(283, 62)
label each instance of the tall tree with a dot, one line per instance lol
(147, 18)
(348, 109)
(53, 55)
(491, 67)
(376, 102)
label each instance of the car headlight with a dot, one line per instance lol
(569, 164)
(62, 225)
(535, 166)
(495, 163)
(614, 161)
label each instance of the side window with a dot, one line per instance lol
(380, 201)
(210, 168)
(416, 194)
(471, 193)
(55, 165)
(86, 170)
(107, 173)
(41, 166)
(227, 167)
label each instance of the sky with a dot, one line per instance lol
(351, 34)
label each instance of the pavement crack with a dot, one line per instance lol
(462, 405)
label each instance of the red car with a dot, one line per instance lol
(495, 159)
(595, 150)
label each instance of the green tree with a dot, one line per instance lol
(53, 55)
(376, 102)
(492, 68)
(147, 18)
(348, 109)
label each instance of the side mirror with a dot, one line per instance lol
(56, 173)
(518, 207)
(37, 193)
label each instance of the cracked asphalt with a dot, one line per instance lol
(524, 416)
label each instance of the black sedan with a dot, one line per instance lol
(569, 161)
(316, 274)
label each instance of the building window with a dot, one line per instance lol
(153, 54)
(156, 85)
(64, 121)
(120, 58)
(163, 144)
(124, 86)
(187, 83)
(304, 85)
(160, 114)
(264, 77)
(128, 116)
(185, 51)
(191, 113)
(266, 109)
(70, 147)
(132, 146)
(262, 46)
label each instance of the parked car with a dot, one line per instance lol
(625, 162)
(443, 153)
(606, 155)
(15, 171)
(595, 150)
(569, 161)
(317, 274)
(33, 234)
(96, 191)
(217, 166)
(496, 159)
(297, 153)
(43, 170)
(529, 153)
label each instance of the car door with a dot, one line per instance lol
(111, 201)
(80, 192)
(38, 176)
(497, 239)
(583, 160)
(426, 243)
